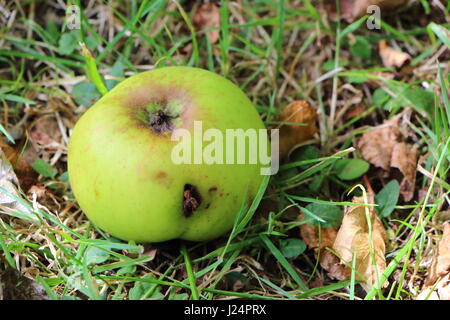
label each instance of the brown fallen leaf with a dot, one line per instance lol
(303, 117)
(392, 57)
(383, 147)
(45, 132)
(10, 183)
(335, 270)
(20, 162)
(441, 262)
(441, 291)
(443, 288)
(310, 234)
(439, 273)
(328, 261)
(354, 9)
(376, 145)
(404, 158)
(353, 238)
(208, 16)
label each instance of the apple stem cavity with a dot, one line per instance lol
(165, 117)
(160, 122)
(191, 200)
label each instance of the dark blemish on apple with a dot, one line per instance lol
(208, 205)
(212, 189)
(161, 175)
(163, 178)
(191, 200)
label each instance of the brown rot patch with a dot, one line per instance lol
(191, 200)
(163, 178)
(161, 175)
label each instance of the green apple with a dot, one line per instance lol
(121, 157)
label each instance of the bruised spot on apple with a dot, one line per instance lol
(120, 165)
(161, 175)
(191, 199)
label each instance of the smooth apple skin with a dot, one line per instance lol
(121, 171)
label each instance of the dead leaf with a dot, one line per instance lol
(151, 254)
(376, 145)
(208, 16)
(20, 161)
(10, 183)
(383, 148)
(441, 261)
(331, 263)
(328, 261)
(310, 234)
(392, 57)
(439, 273)
(441, 291)
(443, 288)
(353, 239)
(45, 132)
(304, 118)
(404, 158)
(354, 9)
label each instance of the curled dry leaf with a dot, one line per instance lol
(300, 119)
(392, 57)
(353, 238)
(10, 183)
(383, 148)
(440, 291)
(20, 162)
(328, 261)
(439, 273)
(442, 261)
(208, 16)
(354, 9)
